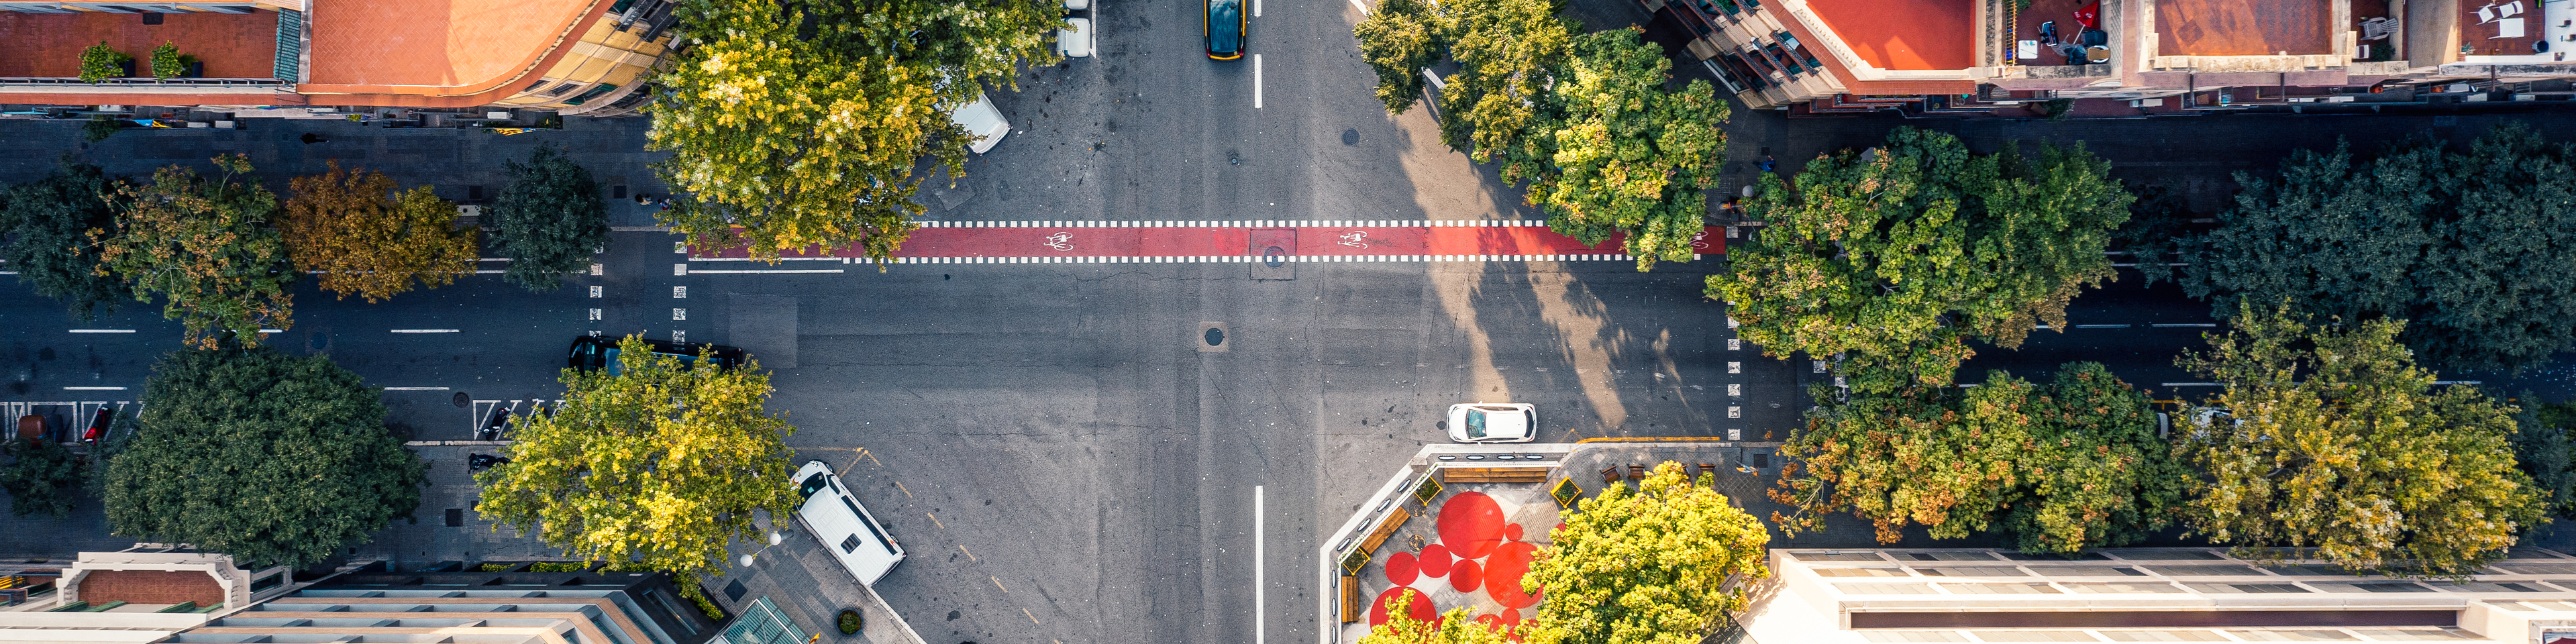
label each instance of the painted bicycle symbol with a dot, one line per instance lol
(1060, 241)
(1698, 241)
(1354, 239)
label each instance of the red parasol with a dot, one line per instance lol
(2089, 15)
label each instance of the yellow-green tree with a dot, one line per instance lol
(1451, 628)
(205, 246)
(365, 240)
(1668, 563)
(798, 123)
(2329, 437)
(651, 468)
(1896, 257)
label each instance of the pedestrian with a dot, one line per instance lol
(311, 138)
(1766, 164)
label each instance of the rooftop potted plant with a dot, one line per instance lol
(99, 62)
(168, 63)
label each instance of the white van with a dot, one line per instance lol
(982, 121)
(853, 535)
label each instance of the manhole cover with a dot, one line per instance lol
(461, 399)
(1351, 136)
(1216, 337)
(1274, 257)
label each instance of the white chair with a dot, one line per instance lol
(2486, 14)
(2509, 28)
(2509, 9)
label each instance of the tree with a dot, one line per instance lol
(1450, 628)
(2062, 467)
(652, 468)
(204, 245)
(1893, 258)
(1665, 564)
(2545, 452)
(365, 240)
(2476, 250)
(1628, 156)
(550, 219)
(795, 124)
(51, 219)
(2329, 437)
(272, 458)
(42, 477)
(1400, 40)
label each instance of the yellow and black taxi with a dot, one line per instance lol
(1225, 29)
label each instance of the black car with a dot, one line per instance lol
(1225, 29)
(590, 353)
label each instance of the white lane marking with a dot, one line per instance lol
(747, 259)
(94, 389)
(415, 389)
(272, 330)
(1256, 81)
(831, 270)
(428, 331)
(2101, 326)
(102, 330)
(2166, 326)
(679, 269)
(1256, 8)
(1260, 612)
(2191, 384)
(493, 259)
(1355, 4)
(8, 272)
(489, 272)
(1436, 83)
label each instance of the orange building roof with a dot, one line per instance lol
(447, 48)
(1904, 34)
(48, 45)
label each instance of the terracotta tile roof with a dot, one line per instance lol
(50, 44)
(438, 47)
(2241, 28)
(1904, 34)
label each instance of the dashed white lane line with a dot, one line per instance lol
(783, 270)
(102, 330)
(1355, 4)
(415, 389)
(428, 331)
(1256, 81)
(2193, 325)
(94, 389)
(1260, 608)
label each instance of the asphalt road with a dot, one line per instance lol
(1050, 442)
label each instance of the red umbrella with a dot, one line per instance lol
(2089, 15)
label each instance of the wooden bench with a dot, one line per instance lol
(1378, 537)
(1352, 611)
(1493, 474)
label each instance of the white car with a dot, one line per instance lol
(1486, 422)
(1075, 40)
(983, 121)
(836, 518)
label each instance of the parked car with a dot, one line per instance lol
(983, 121)
(1075, 40)
(1225, 29)
(592, 353)
(1486, 422)
(98, 423)
(836, 518)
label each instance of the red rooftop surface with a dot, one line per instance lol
(1904, 34)
(437, 47)
(2488, 38)
(2242, 28)
(48, 45)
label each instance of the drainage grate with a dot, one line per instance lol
(456, 517)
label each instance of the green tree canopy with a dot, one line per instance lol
(205, 246)
(1587, 119)
(1894, 257)
(549, 220)
(1667, 563)
(49, 221)
(653, 468)
(2475, 249)
(2546, 453)
(2064, 466)
(2329, 437)
(793, 124)
(1450, 628)
(272, 458)
(42, 477)
(1623, 155)
(369, 241)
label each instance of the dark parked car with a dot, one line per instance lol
(1225, 29)
(595, 353)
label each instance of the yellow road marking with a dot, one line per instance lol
(907, 492)
(934, 520)
(1033, 617)
(970, 554)
(997, 583)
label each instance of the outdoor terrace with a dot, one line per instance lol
(2240, 28)
(1905, 34)
(49, 45)
(2517, 31)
